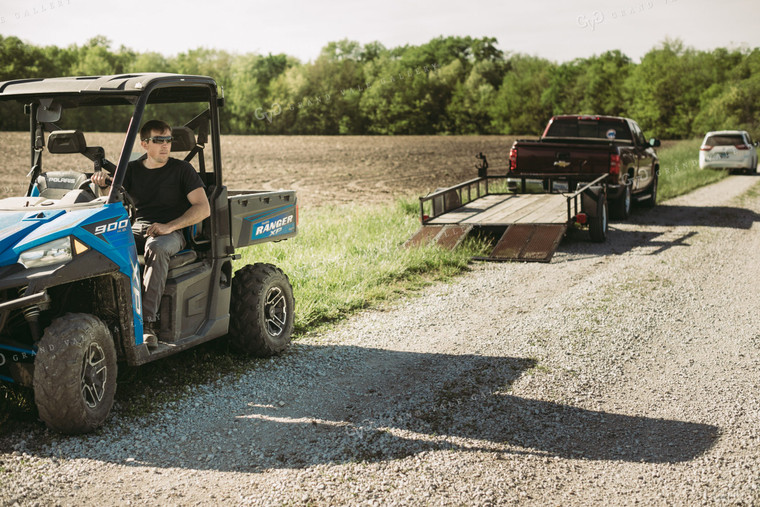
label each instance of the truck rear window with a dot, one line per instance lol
(589, 128)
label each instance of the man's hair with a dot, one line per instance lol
(151, 125)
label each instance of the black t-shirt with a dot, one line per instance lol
(161, 194)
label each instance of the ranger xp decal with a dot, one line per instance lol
(273, 223)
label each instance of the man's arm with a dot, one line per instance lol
(199, 209)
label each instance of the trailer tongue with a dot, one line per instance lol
(531, 225)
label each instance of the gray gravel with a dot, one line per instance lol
(621, 373)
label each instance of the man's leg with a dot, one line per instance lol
(157, 252)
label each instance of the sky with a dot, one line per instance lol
(558, 30)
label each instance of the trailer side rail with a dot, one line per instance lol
(442, 201)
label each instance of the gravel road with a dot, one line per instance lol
(620, 373)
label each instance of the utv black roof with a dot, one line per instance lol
(111, 90)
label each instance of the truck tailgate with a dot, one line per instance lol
(555, 157)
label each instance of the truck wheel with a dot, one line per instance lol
(650, 201)
(75, 373)
(261, 311)
(598, 225)
(621, 208)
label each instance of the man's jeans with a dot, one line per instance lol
(157, 252)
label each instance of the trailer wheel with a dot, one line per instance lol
(598, 225)
(621, 208)
(261, 311)
(75, 374)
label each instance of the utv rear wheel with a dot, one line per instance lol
(75, 374)
(261, 311)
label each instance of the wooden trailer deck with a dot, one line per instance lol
(533, 224)
(506, 209)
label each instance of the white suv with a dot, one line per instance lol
(728, 149)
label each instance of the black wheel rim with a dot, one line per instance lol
(275, 311)
(94, 375)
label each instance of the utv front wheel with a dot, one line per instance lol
(75, 374)
(261, 311)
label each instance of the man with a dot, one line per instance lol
(169, 195)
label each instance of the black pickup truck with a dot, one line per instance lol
(579, 148)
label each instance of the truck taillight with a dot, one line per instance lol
(742, 147)
(513, 159)
(704, 147)
(615, 164)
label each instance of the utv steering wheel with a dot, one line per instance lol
(129, 203)
(87, 185)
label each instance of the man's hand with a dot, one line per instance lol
(159, 230)
(99, 178)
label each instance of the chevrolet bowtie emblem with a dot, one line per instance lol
(561, 163)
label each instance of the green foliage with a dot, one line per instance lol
(449, 85)
(518, 108)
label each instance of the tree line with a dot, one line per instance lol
(450, 85)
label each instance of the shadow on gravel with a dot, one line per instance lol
(703, 216)
(350, 404)
(652, 241)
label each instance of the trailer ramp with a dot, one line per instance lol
(528, 242)
(446, 236)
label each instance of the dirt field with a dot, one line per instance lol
(323, 169)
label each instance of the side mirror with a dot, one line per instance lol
(66, 141)
(654, 142)
(49, 111)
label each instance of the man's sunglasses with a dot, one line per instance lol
(159, 139)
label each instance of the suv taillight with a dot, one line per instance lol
(513, 159)
(704, 147)
(742, 147)
(615, 164)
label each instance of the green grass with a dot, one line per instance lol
(680, 172)
(351, 257)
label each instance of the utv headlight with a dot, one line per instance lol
(52, 252)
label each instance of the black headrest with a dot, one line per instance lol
(66, 141)
(183, 139)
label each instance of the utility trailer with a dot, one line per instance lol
(529, 225)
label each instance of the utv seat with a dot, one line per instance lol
(56, 184)
(184, 140)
